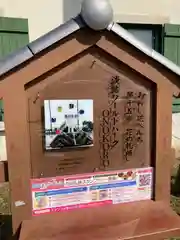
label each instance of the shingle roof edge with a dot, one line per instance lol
(127, 36)
(64, 30)
(45, 41)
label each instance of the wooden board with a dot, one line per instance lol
(122, 121)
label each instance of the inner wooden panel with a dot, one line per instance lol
(122, 106)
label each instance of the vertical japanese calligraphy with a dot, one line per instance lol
(134, 119)
(108, 123)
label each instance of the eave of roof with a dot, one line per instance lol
(127, 36)
(64, 30)
(26, 53)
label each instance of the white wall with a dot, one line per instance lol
(45, 15)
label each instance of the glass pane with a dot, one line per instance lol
(145, 36)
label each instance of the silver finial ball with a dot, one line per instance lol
(97, 14)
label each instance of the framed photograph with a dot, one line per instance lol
(68, 123)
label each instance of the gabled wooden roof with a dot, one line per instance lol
(64, 30)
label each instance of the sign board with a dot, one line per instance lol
(90, 190)
(128, 96)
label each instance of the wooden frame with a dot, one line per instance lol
(25, 79)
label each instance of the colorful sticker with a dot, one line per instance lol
(68, 124)
(89, 190)
(59, 109)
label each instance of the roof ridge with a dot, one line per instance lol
(26, 53)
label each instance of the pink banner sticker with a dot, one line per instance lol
(90, 190)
